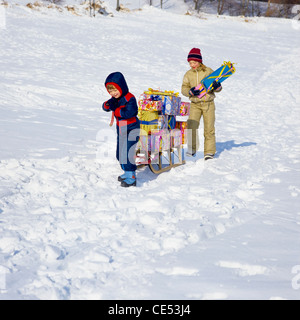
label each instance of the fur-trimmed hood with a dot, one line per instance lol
(117, 80)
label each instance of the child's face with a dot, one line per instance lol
(115, 93)
(194, 64)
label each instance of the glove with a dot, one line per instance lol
(194, 92)
(216, 85)
(112, 103)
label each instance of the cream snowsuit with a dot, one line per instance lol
(200, 107)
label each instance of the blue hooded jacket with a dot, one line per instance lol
(125, 108)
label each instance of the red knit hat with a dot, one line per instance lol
(195, 54)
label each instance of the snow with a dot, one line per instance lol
(221, 229)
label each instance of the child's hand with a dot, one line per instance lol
(194, 92)
(216, 85)
(113, 104)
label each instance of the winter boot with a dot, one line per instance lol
(130, 179)
(191, 153)
(208, 156)
(123, 176)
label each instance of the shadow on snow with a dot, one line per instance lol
(228, 145)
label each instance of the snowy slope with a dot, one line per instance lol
(224, 229)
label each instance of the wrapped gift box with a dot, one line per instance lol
(182, 126)
(148, 121)
(176, 138)
(167, 102)
(221, 74)
(162, 122)
(144, 143)
(160, 140)
(171, 122)
(166, 122)
(171, 105)
(184, 109)
(146, 103)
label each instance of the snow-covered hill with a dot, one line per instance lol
(224, 229)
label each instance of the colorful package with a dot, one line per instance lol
(144, 143)
(148, 103)
(160, 140)
(182, 126)
(148, 121)
(184, 109)
(171, 122)
(168, 102)
(221, 74)
(171, 105)
(176, 138)
(162, 122)
(166, 122)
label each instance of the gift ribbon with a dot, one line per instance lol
(149, 123)
(162, 93)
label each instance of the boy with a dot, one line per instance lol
(123, 104)
(200, 107)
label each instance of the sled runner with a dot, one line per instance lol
(162, 136)
(160, 161)
(221, 74)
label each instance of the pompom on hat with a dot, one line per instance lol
(195, 54)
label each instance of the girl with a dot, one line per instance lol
(200, 107)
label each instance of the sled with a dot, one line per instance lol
(161, 161)
(161, 140)
(221, 74)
